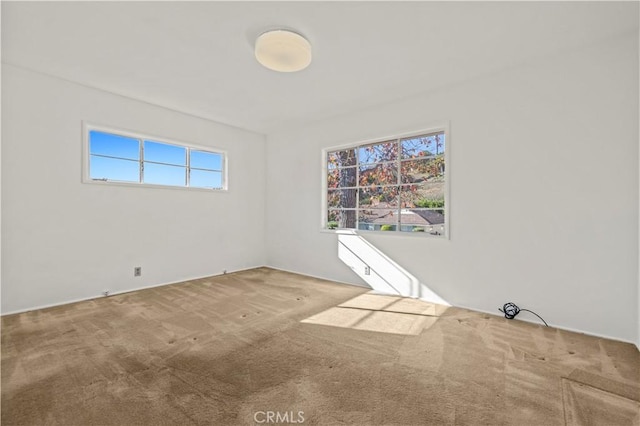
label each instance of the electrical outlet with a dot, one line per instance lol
(224, 272)
(367, 270)
(137, 271)
(105, 293)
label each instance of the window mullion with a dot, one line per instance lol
(141, 143)
(357, 185)
(188, 169)
(398, 181)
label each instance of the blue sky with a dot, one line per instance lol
(118, 158)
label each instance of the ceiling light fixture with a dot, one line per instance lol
(283, 50)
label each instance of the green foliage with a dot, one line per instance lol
(332, 225)
(429, 203)
(386, 228)
(417, 229)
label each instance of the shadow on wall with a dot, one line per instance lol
(380, 272)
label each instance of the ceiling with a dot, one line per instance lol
(197, 57)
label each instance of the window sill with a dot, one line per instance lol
(150, 185)
(444, 237)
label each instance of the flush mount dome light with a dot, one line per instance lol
(282, 50)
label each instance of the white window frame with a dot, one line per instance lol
(437, 128)
(86, 158)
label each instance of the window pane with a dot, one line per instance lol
(379, 174)
(437, 229)
(165, 153)
(440, 143)
(206, 160)
(423, 146)
(421, 217)
(412, 228)
(341, 219)
(342, 198)
(114, 146)
(377, 153)
(160, 174)
(377, 219)
(341, 178)
(378, 197)
(428, 169)
(428, 194)
(114, 169)
(343, 158)
(205, 179)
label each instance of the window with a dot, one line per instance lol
(123, 157)
(397, 185)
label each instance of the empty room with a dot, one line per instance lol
(323, 213)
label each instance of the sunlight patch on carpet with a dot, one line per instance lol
(403, 305)
(380, 313)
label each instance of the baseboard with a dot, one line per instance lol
(69, 302)
(551, 325)
(316, 276)
(636, 344)
(531, 321)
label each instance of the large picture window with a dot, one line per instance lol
(397, 185)
(122, 157)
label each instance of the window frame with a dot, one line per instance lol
(142, 137)
(436, 128)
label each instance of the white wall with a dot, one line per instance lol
(548, 150)
(64, 240)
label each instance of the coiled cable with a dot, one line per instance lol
(510, 310)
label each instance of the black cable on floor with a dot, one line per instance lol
(510, 310)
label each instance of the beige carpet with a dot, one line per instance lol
(229, 349)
